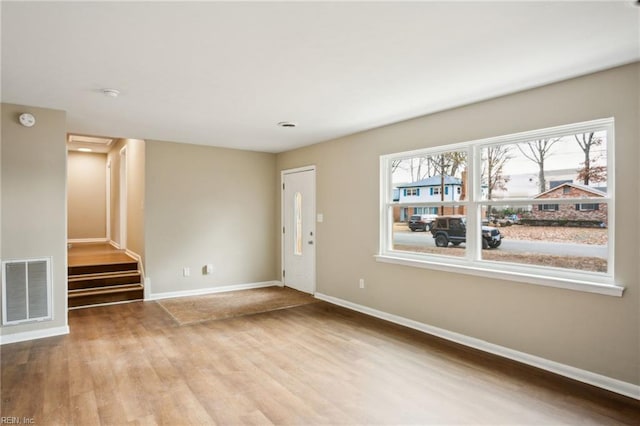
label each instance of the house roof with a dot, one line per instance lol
(432, 181)
(594, 191)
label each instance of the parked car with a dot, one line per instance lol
(453, 229)
(503, 221)
(421, 222)
(514, 218)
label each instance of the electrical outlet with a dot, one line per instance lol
(361, 282)
(186, 271)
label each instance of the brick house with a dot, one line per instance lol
(596, 212)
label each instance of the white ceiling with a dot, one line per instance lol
(224, 74)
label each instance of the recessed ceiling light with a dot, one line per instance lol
(112, 93)
(287, 124)
(85, 150)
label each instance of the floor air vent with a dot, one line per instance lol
(26, 290)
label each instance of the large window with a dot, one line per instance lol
(536, 206)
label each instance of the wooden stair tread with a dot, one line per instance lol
(105, 290)
(103, 259)
(82, 277)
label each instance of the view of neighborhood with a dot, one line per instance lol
(542, 197)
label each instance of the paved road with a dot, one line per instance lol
(515, 246)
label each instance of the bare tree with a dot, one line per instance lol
(446, 164)
(415, 167)
(458, 161)
(589, 172)
(494, 159)
(394, 165)
(538, 151)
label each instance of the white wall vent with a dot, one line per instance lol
(26, 290)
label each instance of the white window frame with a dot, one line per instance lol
(472, 263)
(591, 207)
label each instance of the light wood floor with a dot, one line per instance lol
(93, 254)
(313, 364)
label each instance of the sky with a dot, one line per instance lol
(565, 154)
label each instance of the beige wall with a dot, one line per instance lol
(34, 199)
(135, 164)
(209, 205)
(589, 331)
(86, 195)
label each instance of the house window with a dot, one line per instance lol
(548, 207)
(587, 207)
(412, 192)
(497, 172)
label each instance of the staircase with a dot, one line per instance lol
(97, 280)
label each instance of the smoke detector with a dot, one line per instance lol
(287, 124)
(112, 93)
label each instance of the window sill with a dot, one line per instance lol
(477, 270)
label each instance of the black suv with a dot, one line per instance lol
(453, 229)
(421, 222)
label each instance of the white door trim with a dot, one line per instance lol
(282, 218)
(108, 203)
(123, 199)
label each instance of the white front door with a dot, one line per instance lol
(299, 229)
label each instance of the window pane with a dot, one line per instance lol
(430, 178)
(436, 230)
(563, 237)
(572, 166)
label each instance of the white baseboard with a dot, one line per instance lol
(121, 302)
(114, 244)
(86, 240)
(137, 257)
(147, 288)
(211, 290)
(598, 380)
(35, 334)
(133, 254)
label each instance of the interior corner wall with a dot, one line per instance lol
(593, 332)
(207, 205)
(135, 152)
(86, 195)
(34, 222)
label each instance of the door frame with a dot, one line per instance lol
(108, 201)
(308, 168)
(123, 199)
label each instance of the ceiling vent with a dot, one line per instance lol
(89, 143)
(90, 140)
